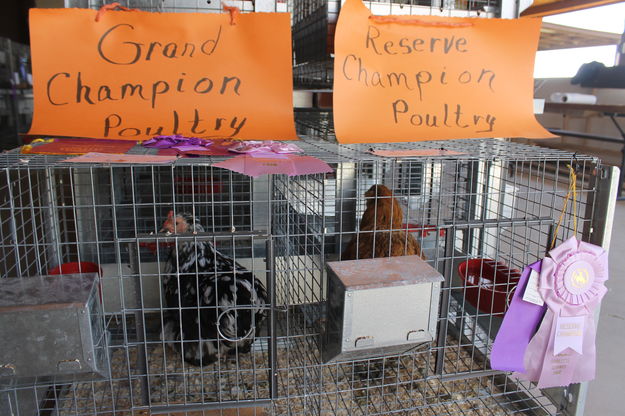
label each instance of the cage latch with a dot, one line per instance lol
(415, 335)
(7, 370)
(362, 342)
(69, 365)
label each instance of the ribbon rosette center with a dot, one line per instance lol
(576, 276)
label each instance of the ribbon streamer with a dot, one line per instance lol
(518, 327)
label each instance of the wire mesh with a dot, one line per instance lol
(493, 200)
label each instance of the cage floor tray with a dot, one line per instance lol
(376, 386)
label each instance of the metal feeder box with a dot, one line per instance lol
(51, 329)
(379, 306)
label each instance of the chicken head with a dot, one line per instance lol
(175, 225)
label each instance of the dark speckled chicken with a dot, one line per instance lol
(202, 285)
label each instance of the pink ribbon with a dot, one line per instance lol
(572, 285)
(265, 146)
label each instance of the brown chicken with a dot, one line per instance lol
(381, 234)
(375, 239)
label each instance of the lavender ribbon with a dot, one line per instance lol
(266, 146)
(186, 144)
(572, 286)
(518, 327)
(178, 142)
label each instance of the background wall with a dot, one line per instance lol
(585, 122)
(14, 20)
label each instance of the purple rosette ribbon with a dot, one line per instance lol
(188, 144)
(177, 141)
(572, 285)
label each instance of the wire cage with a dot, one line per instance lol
(493, 201)
(110, 216)
(483, 199)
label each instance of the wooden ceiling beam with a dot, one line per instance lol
(551, 7)
(554, 36)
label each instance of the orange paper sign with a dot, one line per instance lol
(133, 75)
(411, 78)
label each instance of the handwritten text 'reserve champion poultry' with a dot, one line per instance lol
(65, 88)
(416, 84)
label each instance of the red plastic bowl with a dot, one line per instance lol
(489, 284)
(76, 267)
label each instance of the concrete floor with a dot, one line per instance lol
(607, 392)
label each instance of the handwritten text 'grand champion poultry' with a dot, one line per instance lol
(65, 88)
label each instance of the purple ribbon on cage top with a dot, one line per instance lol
(177, 142)
(268, 146)
(572, 285)
(187, 144)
